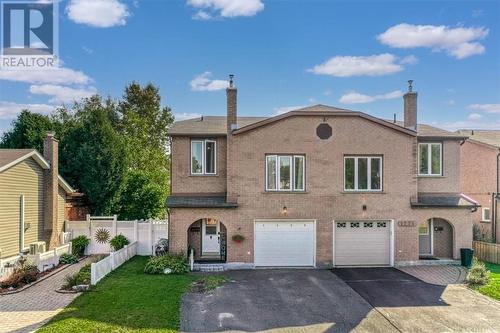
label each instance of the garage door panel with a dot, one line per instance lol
(362, 245)
(284, 243)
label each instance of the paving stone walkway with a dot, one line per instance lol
(441, 275)
(29, 309)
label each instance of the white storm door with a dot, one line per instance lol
(210, 237)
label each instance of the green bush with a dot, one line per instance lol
(79, 244)
(67, 259)
(118, 242)
(176, 262)
(24, 274)
(78, 278)
(478, 274)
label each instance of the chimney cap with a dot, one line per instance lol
(51, 134)
(410, 85)
(231, 80)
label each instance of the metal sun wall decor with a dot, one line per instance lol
(102, 235)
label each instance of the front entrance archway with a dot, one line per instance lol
(435, 239)
(207, 238)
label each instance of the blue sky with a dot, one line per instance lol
(284, 54)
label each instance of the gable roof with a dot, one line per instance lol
(217, 126)
(11, 157)
(489, 137)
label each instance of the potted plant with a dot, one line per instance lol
(238, 238)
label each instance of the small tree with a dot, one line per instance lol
(28, 131)
(478, 274)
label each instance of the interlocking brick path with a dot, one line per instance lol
(437, 274)
(29, 309)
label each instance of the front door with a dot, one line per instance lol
(425, 238)
(210, 242)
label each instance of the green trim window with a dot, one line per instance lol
(363, 173)
(430, 159)
(285, 173)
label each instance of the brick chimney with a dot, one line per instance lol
(51, 154)
(232, 113)
(410, 107)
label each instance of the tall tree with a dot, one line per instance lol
(28, 131)
(94, 154)
(144, 124)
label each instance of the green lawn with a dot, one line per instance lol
(127, 300)
(492, 289)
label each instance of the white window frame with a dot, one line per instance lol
(369, 173)
(483, 215)
(203, 157)
(292, 188)
(429, 159)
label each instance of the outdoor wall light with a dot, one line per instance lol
(284, 210)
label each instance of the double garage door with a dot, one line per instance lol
(293, 243)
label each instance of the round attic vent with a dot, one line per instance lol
(324, 131)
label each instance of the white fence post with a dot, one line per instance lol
(151, 236)
(93, 274)
(115, 218)
(136, 237)
(191, 259)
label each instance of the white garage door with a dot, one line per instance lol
(362, 243)
(284, 243)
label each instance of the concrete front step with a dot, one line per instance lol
(210, 267)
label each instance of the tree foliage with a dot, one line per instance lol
(28, 131)
(113, 152)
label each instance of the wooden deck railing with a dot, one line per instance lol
(488, 252)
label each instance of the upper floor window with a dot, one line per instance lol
(203, 157)
(362, 173)
(429, 159)
(486, 217)
(285, 173)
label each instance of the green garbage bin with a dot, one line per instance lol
(466, 257)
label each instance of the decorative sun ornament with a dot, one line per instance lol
(102, 235)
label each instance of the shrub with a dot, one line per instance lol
(79, 244)
(118, 242)
(78, 278)
(67, 259)
(478, 274)
(176, 262)
(24, 274)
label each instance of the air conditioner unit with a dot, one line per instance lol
(37, 247)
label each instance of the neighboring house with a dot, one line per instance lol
(32, 198)
(318, 186)
(480, 165)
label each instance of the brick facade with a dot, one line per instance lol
(243, 178)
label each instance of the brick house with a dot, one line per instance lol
(318, 186)
(480, 179)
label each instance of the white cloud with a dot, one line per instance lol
(225, 8)
(458, 42)
(409, 60)
(203, 82)
(489, 108)
(345, 66)
(327, 92)
(354, 97)
(10, 110)
(58, 75)
(186, 115)
(474, 116)
(202, 15)
(87, 50)
(470, 123)
(98, 13)
(450, 102)
(62, 94)
(285, 109)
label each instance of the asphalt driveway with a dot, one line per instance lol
(351, 299)
(415, 306)
(290, 300)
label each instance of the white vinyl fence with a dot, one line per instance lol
(44, 261)
(49, 259)
(102, 268)
(145, 232)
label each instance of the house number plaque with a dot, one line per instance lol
(406, 224)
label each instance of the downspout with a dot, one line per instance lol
(495, 200)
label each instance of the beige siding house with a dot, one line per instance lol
(26, 214)
(318, 186)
